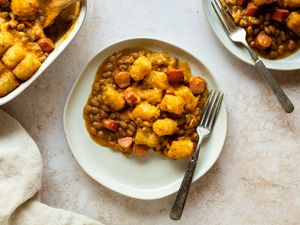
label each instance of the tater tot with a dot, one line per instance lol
(165, 127)
(27, 67)
(190, 100)
(6, 41)
(2, 68)
(14, 55)
(140, 68)
(181, 149)
(25, 8)
(172, 104)
(8, 83)
(145, 111)
(158, 80)
(113, 98)
(153, 96)
(293, 22)
(146, 137)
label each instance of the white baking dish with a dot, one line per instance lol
(60, 46)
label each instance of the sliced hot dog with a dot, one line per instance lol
(125, 142)
(280, 15)
(263, 40)
(46, 44)
(110, 124)
(131, 98)
(140, 150)
(241, 2)
(175, 76)
(4, 3)
(251, 10)
(122, 79)
(197, 85)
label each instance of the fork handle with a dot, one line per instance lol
(183, 192)
(283, 99)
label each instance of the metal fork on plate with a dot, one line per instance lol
(238, 35)
(204, 129)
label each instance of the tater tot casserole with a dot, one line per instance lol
(143, 100)
(24, 42)
(272, 26)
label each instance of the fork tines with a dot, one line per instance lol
(224, 14)
(211, 109)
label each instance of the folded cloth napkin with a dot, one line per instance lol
(20, 181)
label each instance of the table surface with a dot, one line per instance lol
(257, 177)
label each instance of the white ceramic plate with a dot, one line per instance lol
(60, 45)
(154, 176)
(290, 63)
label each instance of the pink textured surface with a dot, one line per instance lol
(255, 181)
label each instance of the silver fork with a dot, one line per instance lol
(238, 35)
(204, 129)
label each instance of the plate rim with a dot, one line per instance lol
(156, 195)
(247, 60)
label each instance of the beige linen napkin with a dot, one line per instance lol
(20, 181)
